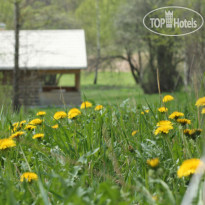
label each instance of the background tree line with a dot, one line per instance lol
(180, 60)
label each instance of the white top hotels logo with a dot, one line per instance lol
(169, 19)
(187, 22)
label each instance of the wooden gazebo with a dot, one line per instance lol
(43, 54)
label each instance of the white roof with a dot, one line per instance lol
(44, 49)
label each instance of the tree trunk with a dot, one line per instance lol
(16, 103)
(98, 41)
(135, 70)
(140, 66)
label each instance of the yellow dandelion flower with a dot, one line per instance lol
(155, 198)
(146, 111)
(192, 132)
(28, 177)
(164, 129)
(22, 123)
(39, 135)
(41, 113)
(134, 132)
(203, 111)
(30, 127)
(15, 126)
(98, 107)
(74, 112)
(162, 109)
(164, 122)
(175, 115)
(153, 162)
(36, 121)
(189, 167)
(59, 115)
(184, 121)
(200, 102)
(167, 98)
(189, 132)
(16, 134)
(85, 104)
(7, 143)
(55, 126)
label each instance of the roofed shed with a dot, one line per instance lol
(45, 55)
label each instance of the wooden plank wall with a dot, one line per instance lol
(30, 84)
(32, 89)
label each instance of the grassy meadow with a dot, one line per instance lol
(115, 87)
(115, 155)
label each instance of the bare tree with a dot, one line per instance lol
(16, 103)
(98, 41)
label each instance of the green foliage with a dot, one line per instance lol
(41, 14)
(6, 13)
(86, 15)
(162, 52)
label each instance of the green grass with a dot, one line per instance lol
(113, 88)
(94, 159)
(104, 78)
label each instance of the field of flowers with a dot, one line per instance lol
(102, 154)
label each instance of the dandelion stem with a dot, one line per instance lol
(186, 145)
(25, 159)
(168, 143)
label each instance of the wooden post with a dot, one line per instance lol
(77, 81)
(16, 104)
